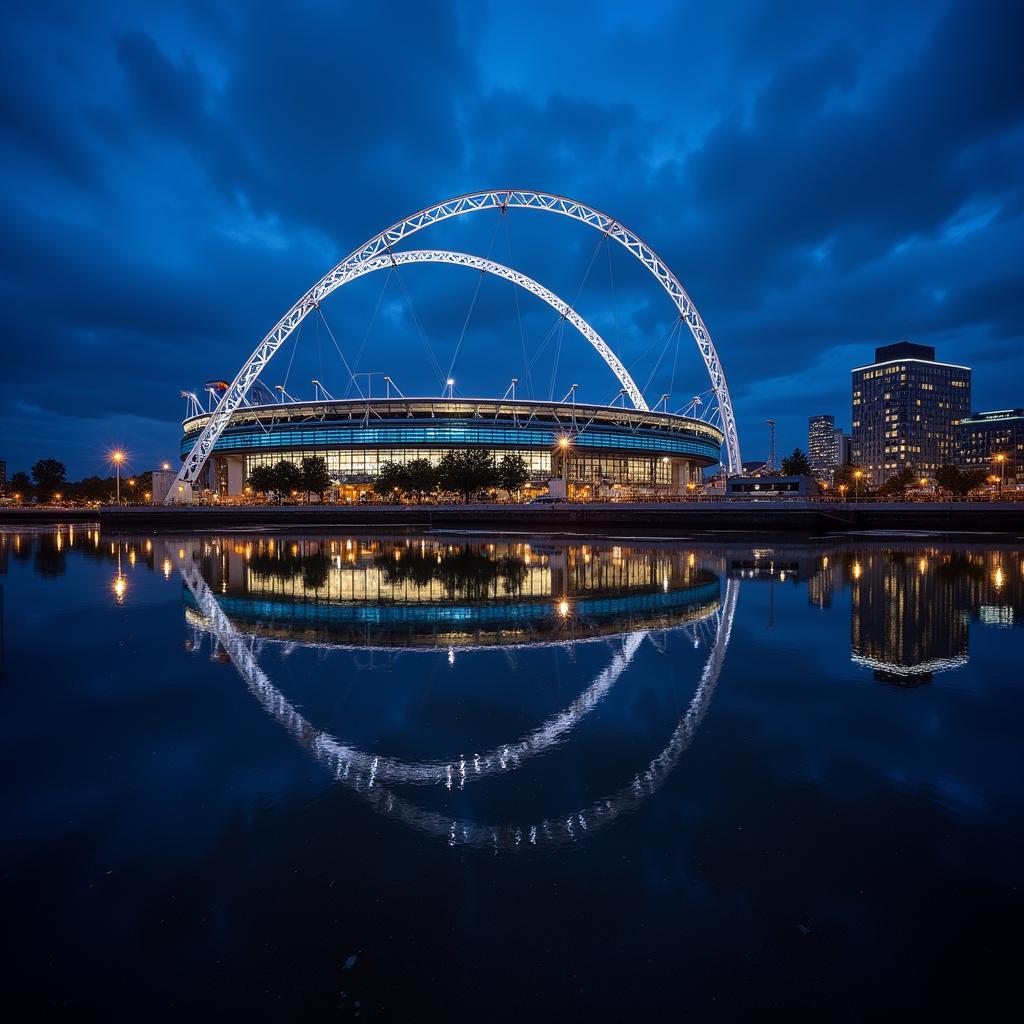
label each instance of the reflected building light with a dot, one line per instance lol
(451, 655)
(824, 561)
(131, 557)
(782, 575)
(120, 587)
(563, 608)
(181, 553)
(922, 566)
(997, 578)
(168, 568)
(856, 570)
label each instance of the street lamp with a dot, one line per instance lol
(857, 474)
(1001, 459)
(842, 491)
(117, 457)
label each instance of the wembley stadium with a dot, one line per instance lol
(576, 451)
(571, 450)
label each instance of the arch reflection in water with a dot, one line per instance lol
(371, 774)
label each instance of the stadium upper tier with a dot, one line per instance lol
(577, 450)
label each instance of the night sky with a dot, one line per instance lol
(822, 180)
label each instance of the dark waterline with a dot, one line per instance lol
(428, 776)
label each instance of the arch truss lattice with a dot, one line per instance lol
(383, 244)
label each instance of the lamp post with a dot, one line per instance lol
(564, 444)
(1001, 459)
(117, 457)
(842, 491)
(857, 474)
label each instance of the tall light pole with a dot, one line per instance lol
(857, 474)
(117, 457)
(1001, 459)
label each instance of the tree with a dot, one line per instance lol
(49, 476)
(899, 482)
(512, 473)
(315, 477)
(20, 483)
(420, 477)
(392, 479)
(262, 479)
(466, 472)
(959, 481)
(796, 464)
(848, 475)
(287, 477)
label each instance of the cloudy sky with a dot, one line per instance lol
(822, 179)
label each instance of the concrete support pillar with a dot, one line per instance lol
(236, 474)
(680, 475)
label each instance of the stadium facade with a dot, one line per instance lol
(574, 450)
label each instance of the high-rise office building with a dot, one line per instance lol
(842, 447)
(983, 437)
(827, 447)
(906, 406)
(821, 445)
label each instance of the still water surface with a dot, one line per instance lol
(428, 776)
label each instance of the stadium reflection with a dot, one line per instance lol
(440, 593)
(429, 594)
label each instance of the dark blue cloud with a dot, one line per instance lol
(819, 176)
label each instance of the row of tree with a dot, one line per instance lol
(952, 479)
(285, 478)
(48, 478)
(465, 472)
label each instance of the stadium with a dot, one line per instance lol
(571, 450)
(576, 451)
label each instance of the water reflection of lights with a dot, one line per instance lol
(563, 608)
(856, 570)
(997, 578)
(368, 774)
(120, 587)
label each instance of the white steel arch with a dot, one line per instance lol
(501, 199)
(462, 259)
